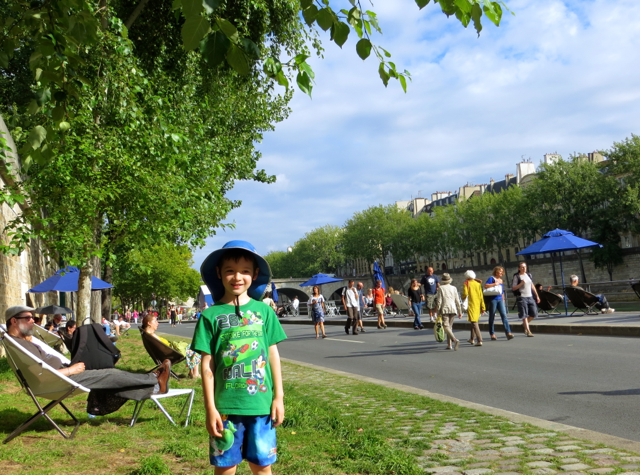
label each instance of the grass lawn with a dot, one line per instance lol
(333, 425)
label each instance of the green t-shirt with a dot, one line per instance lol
(240, 350)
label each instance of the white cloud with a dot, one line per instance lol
(557, 76)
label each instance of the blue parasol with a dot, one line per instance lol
(66, 280)
(319, 279)
(558, 241)
(274, 292)
(377, 274)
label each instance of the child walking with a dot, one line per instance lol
(241, 376)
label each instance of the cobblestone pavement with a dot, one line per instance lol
(446, 438)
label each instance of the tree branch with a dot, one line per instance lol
(136, 13)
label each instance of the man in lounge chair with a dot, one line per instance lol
(19, 321)
(602, 305)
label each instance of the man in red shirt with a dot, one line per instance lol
(379, 303)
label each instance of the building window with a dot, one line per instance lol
(508, 255)
(493, 261)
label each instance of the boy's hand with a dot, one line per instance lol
(277, 411)
(214, 423)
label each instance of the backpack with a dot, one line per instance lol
(516, 293)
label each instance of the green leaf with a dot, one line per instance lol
(214, 48)
(272, 66)
(238, 60)
(363, 48)
(191, 8)
(4, 60)
(210, 5)
(306, 68)
(228, 29)
(64, 126)
(403, 83)
(304, 4)
(493, 10)
(36, 136)
(422, 3)
(176, 4)
(193, 30)
(325, 18)
(383, 75)
(57, 114)
(34, 60)
(476, 13)
(42, 96)
(250, 48)
(386, 53)
(301, 58)
(33, 107)
(304, 82)
(340, 32)
(282, 79)
(310, 14)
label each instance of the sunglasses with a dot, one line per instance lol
(24, 318)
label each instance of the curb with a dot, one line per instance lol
(575, 432)
(604, 330)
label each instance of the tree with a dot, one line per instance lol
(160, 273)
(373, 234)
(319, 251)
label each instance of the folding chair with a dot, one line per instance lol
(156, 398)
(49, 338)
(549, 302)
(636, 288)
(40, 380)
(582, 300)
(332, 309)
(402, 303)
(159, 352)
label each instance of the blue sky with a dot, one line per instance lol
(557, 76)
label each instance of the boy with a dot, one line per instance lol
(241, 376)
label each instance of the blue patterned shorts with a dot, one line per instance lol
(254, 441)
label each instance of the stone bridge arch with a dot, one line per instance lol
(291, 287)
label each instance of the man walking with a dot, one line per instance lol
(526, 297)
(431, 284)
(350, 303)
(361, 304)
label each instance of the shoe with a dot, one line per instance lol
(363, 330)
(509, 336)
(611, 310)
(456, 345)
(346, 331)
(317, 337)
(433, 320)
(416, 328)
(494, 338)
(529, 334)
(449, 348)
(421, 327)
(324, 336)
(379, 327)
(164, 372)
(471, 341)
(355, 333)
(385, 326)
(478, 344)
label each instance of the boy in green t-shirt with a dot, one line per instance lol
(241, 376)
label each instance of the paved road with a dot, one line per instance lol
(584, 381)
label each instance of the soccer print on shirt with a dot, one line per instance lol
(242, 355)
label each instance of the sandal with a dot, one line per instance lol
(493, 337)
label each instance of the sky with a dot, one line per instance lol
(555, 77)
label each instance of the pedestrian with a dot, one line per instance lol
(379, 302)
(431, 283)
(496, 302)
(526, 297)
(318, 310)
(351, 306)
(237, 337)
(172, 316)
(294, 305)
(135, 316)
(269, 301)
(448, 307)
(472, 290)
(416, 301)
(361, 305)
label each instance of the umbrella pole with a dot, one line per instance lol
(564, 296)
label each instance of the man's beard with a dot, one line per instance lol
(25, 330)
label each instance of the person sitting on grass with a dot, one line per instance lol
(150, 325)
(124, 384)
(241, 373)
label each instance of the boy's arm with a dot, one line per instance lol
(277, 406)
(214, 421)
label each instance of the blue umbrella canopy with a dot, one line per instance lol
(377, 274)
(319, 279)
(66, 280)
(274, 292)
(557, 240)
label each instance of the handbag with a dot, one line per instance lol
(493, 291)
(438, 330)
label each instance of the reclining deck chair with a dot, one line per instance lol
(159, 352)
(40, 380)
(582, 300)
(402, 303)
(549, 302)
(156, 399)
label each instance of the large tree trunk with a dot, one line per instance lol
(96, 300)
(84, 292)
(106, 293)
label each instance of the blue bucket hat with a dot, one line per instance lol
(210, 276)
